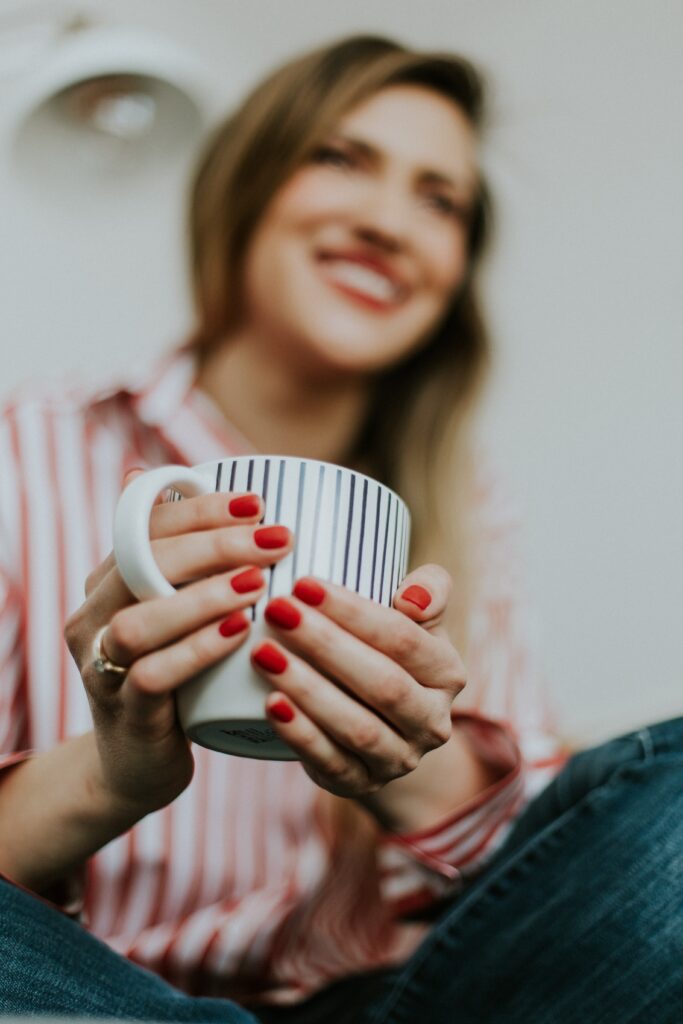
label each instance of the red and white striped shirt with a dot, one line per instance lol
(237, 888)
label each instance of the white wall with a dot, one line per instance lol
(584, 154)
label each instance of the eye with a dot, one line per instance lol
(449, 208)
(331, 155)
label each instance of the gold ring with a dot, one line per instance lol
(101, 662)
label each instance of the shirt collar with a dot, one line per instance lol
(165, 398)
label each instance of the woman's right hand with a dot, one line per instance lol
(145, 758)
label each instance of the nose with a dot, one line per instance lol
(385, 218)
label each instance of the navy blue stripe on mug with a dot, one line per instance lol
(394, 566)
(297, 529)
(349, 526)
(264, 488)
(278, 508)
(316, 517)
(362, 533)
(333, 546)
(384, 551)
(374, 543)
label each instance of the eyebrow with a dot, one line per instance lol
(426, 174)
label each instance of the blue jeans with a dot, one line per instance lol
(577, 920)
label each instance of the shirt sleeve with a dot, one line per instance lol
(12, 672)
(14, 711)
(67, 895)
(13, 699)
(505, 717)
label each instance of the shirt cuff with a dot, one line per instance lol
(65, 895)
(421, 867)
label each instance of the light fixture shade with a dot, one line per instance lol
(108, 101)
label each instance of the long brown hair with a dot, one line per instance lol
(416, 437)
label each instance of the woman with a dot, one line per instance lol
(338, 218)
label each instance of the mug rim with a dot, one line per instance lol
(302, 458)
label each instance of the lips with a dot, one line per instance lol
(364, 276)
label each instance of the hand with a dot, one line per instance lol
(145, 758)
(362, 691)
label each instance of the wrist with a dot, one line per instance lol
(132, 783)
(55, 813)
(446, 778)
(104, 800)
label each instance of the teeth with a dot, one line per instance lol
(363, 279)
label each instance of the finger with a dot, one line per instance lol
(188, 558)
(424, 594)
(185, 558)
(431, 660)
(163, 670)
(330, 767)
(206, 512)
(171, 518)
(336, 767)
(354, 728)
(143, 627)
(136, 471)
(370, 676)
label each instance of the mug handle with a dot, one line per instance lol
(132, 544)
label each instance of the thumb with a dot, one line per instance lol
(423, 596)
(130, 475)
(134, 472)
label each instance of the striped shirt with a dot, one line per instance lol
(239, 888)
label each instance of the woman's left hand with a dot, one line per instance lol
(362, 691)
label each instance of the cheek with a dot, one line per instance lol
(307, 197)
(446, 261)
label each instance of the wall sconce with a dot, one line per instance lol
(105, 101)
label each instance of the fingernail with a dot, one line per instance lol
(281, 709)
(279, 612)
(309, 591)
(417, 595)
(271, 536)
(245, 505)
(234, 623)
(250, 579)
(269, 658)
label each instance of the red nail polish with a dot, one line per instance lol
(282, 710)
(269, 658)
(250, 579)
(245, 505)
(271, 536)
(234, 623)
(279, 612)
(309, 591)
(417, 595)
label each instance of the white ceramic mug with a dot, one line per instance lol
(348, 529)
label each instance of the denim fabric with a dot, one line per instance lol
(577, 920)
(49, 965)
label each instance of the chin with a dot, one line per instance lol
(350, 346)
(351, 355)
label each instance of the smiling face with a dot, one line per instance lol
(356, 258)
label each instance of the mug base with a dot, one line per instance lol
(244, 737)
